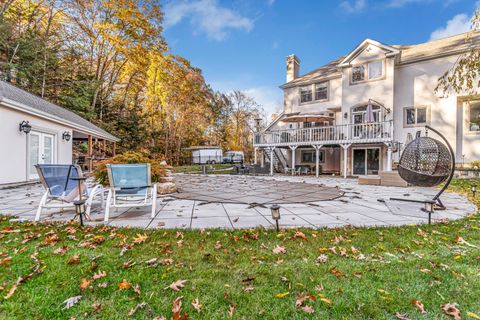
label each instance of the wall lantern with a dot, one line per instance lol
(345, 115)
(66, 136)
(25, 126)
(474, 190)
(258, 123)
(275, 209)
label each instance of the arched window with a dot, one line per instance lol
(359, 113)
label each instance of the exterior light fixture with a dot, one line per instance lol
(429, 208)
(345, 115)
(25, 126)
(258, 123)
(66, 136)
(275, 209)
(80, 209)
(474, 190)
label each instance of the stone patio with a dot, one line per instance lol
(359, 205)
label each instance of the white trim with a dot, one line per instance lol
(72, 125)
(358, 49)
(380, 159)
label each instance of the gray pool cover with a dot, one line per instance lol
(245, 190)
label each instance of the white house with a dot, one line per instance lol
(33, 130)
(327, 124)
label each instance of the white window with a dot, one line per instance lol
(415, 116)
(306, 93)
(474, 116)
(375, 70)
(321, 91)
(368, 71)
(308, 156)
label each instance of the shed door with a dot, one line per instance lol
(40, 151)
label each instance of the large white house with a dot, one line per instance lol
(327, 122)
(33, 131)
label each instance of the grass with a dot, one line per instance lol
(218, 168)
(368, 273)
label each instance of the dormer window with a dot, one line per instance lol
(306, 94)
(314, 92)
(367, 71)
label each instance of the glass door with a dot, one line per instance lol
(40, 151)
(366, 161)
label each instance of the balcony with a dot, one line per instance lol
(339, 134)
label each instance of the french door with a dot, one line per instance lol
(366, 161)
(41, 150)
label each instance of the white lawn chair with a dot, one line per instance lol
(62, 188)
(130, 186)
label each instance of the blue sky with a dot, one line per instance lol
(242, 44)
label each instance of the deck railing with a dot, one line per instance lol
(347, 133)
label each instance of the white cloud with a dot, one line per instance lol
(353, 6)
(271, 99)
(207, 16)
(458, 24)
(401, 3)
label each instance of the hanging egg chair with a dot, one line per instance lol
(425, 162)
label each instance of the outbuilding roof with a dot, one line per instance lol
(13, 96)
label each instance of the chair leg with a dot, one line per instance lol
(154, 200)
(107, 206)
(98, 189)
(40, 206)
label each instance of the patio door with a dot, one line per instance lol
(366, 161)
(40, 151)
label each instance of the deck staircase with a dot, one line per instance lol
(279, 160)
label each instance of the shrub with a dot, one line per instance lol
(475, 164)
(157, 170)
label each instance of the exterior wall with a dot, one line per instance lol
(381, 90)
(415, 86)
(292, 99)
(13, 143)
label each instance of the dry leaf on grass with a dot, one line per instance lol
(99, 275)
(84, 284)
(452, 310)
(279, 249)
(75, 259)
(231, 310)
(197, 305)
(418, 305)
(70, 302)
(124, 285)
(401, 316)
(140, 238)
(177, 285)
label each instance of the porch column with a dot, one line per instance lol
(255, 156)
(271, 160)
(317, 159)
(293, 148)
(389, 158)
(262, 158)
(90, 152)
(345, 156)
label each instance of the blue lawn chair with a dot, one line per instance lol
(62, 189)
(130, 186)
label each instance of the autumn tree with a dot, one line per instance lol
(464, 76)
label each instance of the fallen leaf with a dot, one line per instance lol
(452, 310)
(5, 261)
(124, 285)
(99, 275)
(61, 251)
(11, 291)
(231, 310)
(308, 309)
(75, 259)
(140, 238)
(70, 302)
(197, 305)
(401, 316)
(418, 305)
(279, 249)
(282, 295)
(177, 309)
(337, 273)
(248, 289)
(323, 258)
(136, 308)
(177, 285)
(84, 284)
(473, 315)
(328, 301)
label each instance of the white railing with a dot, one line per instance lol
(347, 133)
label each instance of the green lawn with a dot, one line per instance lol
(345, 273)
(218, 168)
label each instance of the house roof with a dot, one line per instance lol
(408, 54)
(15, 97)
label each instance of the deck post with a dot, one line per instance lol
(262, 158)
(317, 159)
(345, 155)
(293, 148)
(271, 160)
(389, 158)
(255, 156)
(90, 152)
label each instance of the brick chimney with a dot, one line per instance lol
(293, 67)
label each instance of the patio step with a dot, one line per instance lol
(392, 179)
(369, 180)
